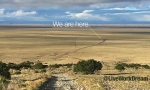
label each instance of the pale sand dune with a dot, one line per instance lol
(46, 44)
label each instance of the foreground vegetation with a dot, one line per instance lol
(97, 82)
(25, 75)
(89, 75)
(87, 67)
(122, 66)
(35, 72)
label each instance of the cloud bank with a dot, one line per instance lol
(18, 13)
(41, 3)
(111, 11)
(87, 15)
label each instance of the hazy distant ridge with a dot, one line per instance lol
(91, 25)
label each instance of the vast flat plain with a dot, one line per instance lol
(70, 45)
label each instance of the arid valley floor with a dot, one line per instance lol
(66, 45)
(70, 45)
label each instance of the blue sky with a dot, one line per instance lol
(91, 11)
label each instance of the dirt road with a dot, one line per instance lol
(67, 53)
(60, 81)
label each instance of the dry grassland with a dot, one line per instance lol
(70, 45)
(49, 45)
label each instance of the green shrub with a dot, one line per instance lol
(13, 66)
(43, 70)
(38, 65)
(55, 66)
(36, 71)
(132, 65)
(45, 66)
(68, 65)
(87, 67)
(3, 82)
(120, 67)
(146, 66)
(4, 70)
(26, 64)
(17, 72)
(124, 64)
(59, 65)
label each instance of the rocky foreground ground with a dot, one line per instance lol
(60, 81)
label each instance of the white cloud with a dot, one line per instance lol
(126, 8)
(20, 13)
(125, 13)
(142, 18)
(87, 15)
(70, 3)
(2, 11)
(143, 12)
(23, 15)
(86, 11)
(134, 16)
(114, 9)
(131, 8)
(117, 8)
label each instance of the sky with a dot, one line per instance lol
(90, 11)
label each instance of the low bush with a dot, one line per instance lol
(4, 70)
(45, 66)
(36, 71)
(132, 65)
(87, 67)
(13, 66)
(3, 83)
(38, 65)
(59, 65)
(17, 72)
(120, 67)
(26, 64)
(55, 65)
(43, 70)
(146, 66)
(69, 65)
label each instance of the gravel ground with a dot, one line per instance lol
(60, 81)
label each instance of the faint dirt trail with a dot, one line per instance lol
(66, 53)
(59, 81)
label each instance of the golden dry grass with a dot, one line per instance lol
(97, 82)
(49, 45)
(28, 79)
(46, 44)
